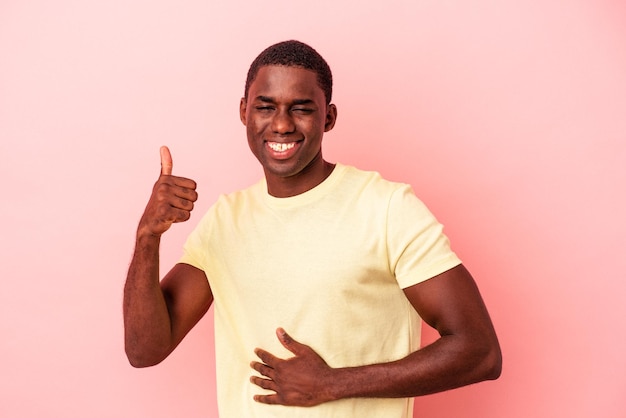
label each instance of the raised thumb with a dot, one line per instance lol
(166, 161)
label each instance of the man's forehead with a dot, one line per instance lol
(282, 78)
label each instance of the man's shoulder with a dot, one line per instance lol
(237, 198)
(370, 181)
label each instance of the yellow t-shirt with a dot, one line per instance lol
(329, 267)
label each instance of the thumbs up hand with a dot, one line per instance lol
(171, 201)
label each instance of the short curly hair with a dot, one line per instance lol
(293, 54)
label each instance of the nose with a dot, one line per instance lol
(282, 122)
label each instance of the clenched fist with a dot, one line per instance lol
(171, 201)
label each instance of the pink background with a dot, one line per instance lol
(508, 118)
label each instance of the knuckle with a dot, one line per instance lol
(162, 212)
(185, 215)
(184, 203)
(161, 191)
(161, 184)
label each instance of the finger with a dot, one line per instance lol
(166, 161)
(183, 192)
(264, 383)
(182, 216)
(181, 203)
(289, 343)
(185, 186)
(263, 369)
(267, 358)
(170, 214)
(167, 191)
(269, 399)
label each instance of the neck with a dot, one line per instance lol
(299, 183)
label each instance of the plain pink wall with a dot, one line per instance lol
(508, 118)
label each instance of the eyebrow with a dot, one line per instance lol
(267, 99)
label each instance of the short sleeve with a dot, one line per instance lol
(417, 247)
(196, 247)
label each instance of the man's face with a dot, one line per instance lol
(286, 116)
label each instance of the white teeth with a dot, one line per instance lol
(280, 147)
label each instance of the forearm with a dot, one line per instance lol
(147, 328)
(448, 363)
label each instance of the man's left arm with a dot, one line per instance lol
(467, 352)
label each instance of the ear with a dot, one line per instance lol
(331, 117)
(243, 104)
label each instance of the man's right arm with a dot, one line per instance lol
(158, 314)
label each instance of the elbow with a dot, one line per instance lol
(491, 364)
(140, 359)
(494, 370)
(140, 363)
(482, 360)
(142, 351)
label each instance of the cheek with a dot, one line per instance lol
(256, 126)
(314, 128)
(251, 129)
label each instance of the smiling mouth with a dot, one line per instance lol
(281, 146)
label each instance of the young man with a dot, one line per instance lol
(319, 273)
